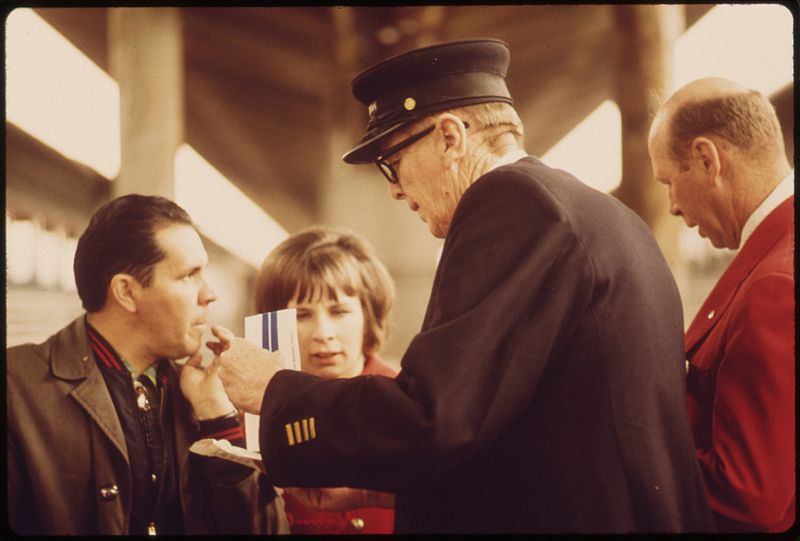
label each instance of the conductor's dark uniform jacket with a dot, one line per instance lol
(544, 393)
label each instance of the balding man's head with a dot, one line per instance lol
(719, 149)
(704, 89)
(724, 111)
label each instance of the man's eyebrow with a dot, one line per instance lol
(193, 269)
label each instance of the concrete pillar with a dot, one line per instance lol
(643, 78)
(146, 58)
(357, 196)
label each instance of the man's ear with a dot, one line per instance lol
(125, 290)
(454, 133)
(706, 155)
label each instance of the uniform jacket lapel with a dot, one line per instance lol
(73, 360)
(775, 225)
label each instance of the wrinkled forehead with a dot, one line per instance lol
(658, 127)
(181, 244)
(659, 142)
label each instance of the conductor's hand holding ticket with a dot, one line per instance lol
(245, 369)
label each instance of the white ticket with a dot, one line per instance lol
(274, 331)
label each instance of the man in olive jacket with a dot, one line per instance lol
(545, 391)
(100, 421)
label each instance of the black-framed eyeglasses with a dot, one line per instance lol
(386, 168)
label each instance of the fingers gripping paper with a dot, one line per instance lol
(274, 331)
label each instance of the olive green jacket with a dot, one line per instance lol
(68, 471)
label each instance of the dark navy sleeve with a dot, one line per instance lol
(472, 368)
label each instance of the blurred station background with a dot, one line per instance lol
(242, 115)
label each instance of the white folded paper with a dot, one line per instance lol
(274, 331)
(224, 449)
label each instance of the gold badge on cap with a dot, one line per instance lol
(409, 104)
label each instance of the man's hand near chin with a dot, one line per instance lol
(203, 389)
(245, 368)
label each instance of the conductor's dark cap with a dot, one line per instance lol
(412, 85)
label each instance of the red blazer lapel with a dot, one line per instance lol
(774, 226)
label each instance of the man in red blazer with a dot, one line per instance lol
(718, 148)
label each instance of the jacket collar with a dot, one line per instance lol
(72, 356)
(72, 359)
(763, 239)
(511, 157)
(784, 189)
